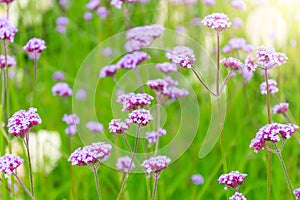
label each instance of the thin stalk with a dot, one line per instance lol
(127, 20)
(226, 80)
(97, 183)
(269, 153)
(126, 142)
(156, 177)
(218, 65)
(26, 142)
(34, 78)
(73, 194)
(24, 187)
(222, 136)
(131, 162)
(286, 175)
(202, 82)
(158, 127)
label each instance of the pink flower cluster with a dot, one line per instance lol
(7, 31)
(130, 61)
(123, 164)
(72, 120)
(141, 37)
(197, 179)
(156, 164)
(62, 89)
(237, 44)
(91, 154)
(58, 76)
(182, 55)
(280, 108)
(268, 58)
(232, 179)
(61, 23)
(10, 61)
(35, 46)
(154, 135)
(297, 193)
(141, 117)
(250, 64)
(217, 21)
(232, 63)
(8, 163)
(272, 87)
(237, 196)
(132, 101)
(95, 127)
(167, 67)
(108, 71)
(271, 132)
(21, 121)
(116, 126)
(94, 6)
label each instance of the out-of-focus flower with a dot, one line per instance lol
(239, 4)
(156, 164)
(130, 61)
(232, 179)
(8, 163)
(167, 67)
(81, 94)
(280, 108)
(7, 31)
(237, 23)
(61, 23)
(61, 89)
(237, 196)
(108, 71)
(209, 2)
(197, 179)
(123, 164)
(154, 135)
(102, 12)
(179, 53)
(6, 1)
(93, 4)
(217, 21)
(95, 127)
(10, 61)
(58, 76)
(297, 193)
(87, 16)
(233, 63)
(71, 119)
(246, 74)
(272, 87)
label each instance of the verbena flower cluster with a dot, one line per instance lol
(232, 63)
(141, 117)
(156, 164)
(7, 31)
(130, 61)
(91, 154)
(116, 126)
(272, 87)
(132, 101)
(123, 164)
(232, 179)
(35, 46)
(182, 55)
(167, 67)
(280, 108)
(10, 62)
(197, 179)
(268, 58)
(237, 44)
(217, 21)
(297, 193)
(8, 163)
(72, 120)
(118, 3)
(62, 89)
(237, 196)
(21, 121)
(95, 127)
(271, 132)
(154, 135)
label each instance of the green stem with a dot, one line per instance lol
(155, 186)
(73, 195)
(26, 142)
(218, 65)
(34, 78)
(24, 187)
(158, 127)
(97, 183)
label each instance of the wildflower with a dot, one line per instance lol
(116, 126)
(181, 55)
(10, 61)
(280, 108)
(209, 2)
(271, 86)
(61, 89)
(197, 179)
(239, 4)
(117, 3)
(297, 193)
(233, 63)
(246, 74)
(93, 4)
(153, 135)
(250, 64)
(271, 132)
(237, 23)
(71, 119)
(94, 126)
(123, 164)
(130, 61)
(90, 154)
(156, 164)
(81, 94)
(21, 121)
(140, 117)
(132, 101)
(61, 23)
(87, 16)
(71, 130)
(217, 21)
(268, 58)
(237, 43)
(7, 31)
(58, 76)
(167, 67)
(6, 1)
(8, 163)
(232, 180)
(108, 71)
(102, 12)
(35, 46)
(237, 196)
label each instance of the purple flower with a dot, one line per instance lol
(108, 71)
(71, 130)
(209, 2)
(197, 179)
(21, 121)
(71, 119)
(232, 179)
(239, 4)
(141, 117)
(167, 67)
(35, 46)
(246, 74)
(90, 154)
(117, 3)
(7, 31)
(130, 61)
(156, 164)
(132, 101)
(93, 4)
(81, 94)
(10, 61)
(271, 132)
(153, 135)
(268, 58)
(87, 16)
(181, 54)
(233, 63)
(237, 43)
(123, 164)
(8, 163)
(61, 89)
(250, 64)
(280, 108)
(6, 1)
(58, 76)
(237, 23)
(95, 127)
(116, 126)
(62, 21)
(272, 86)
(237, 196)
(297, 193)
(185, 62)
(217, 21)
(102, 12)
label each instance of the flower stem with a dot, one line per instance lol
(34, 78)
(202, 82)
(131, 162)
(97, 183)
(158, 127)
(73, 195)
(288, 181)
(155, 186)
(226, 80)
(126, 142)
(24, 187)
(26, 142)
(218, 65)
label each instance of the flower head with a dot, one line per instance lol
(102, 12)
(237, 196)
(140, 117)
(35, 46)
(246, 74)
(116, 126)
(108, 71)
(271, 132)
(209, 2)
(268, 58)
(250, 64)
(272, 87)
(10, 61)
(280, 108)
(123, 164)
(20, 123)
(61, 89)
(132, 101)
(297, 193)
(167, 67)
(156, 164)
(7, 31)
(8, 163)
(217, 21)
(197, 179)
(153, 135)
(95, 127)
(232, 179)
(233, 63)
(130, 61)
(58, 76)
(71, 119)
(182, 55)
(93, 4)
